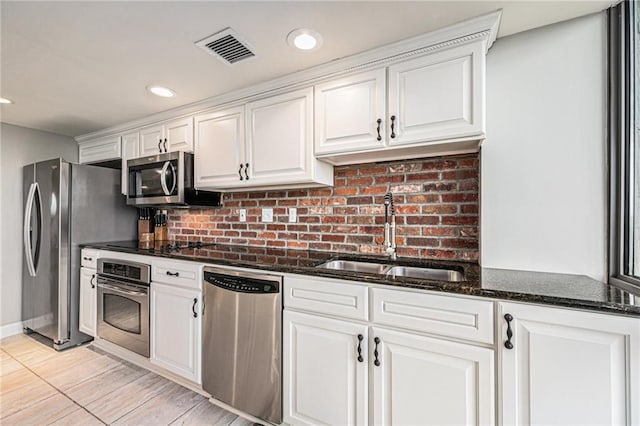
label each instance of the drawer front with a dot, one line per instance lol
(89, 258)
(328, 297)
(185, 274)
(456, 317)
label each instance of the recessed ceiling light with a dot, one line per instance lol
(5, 101)
(304, 39)
(161, 91)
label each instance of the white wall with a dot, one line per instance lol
(544, 184)
(20, 146)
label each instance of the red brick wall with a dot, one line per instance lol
(436, 202)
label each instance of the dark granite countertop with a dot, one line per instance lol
(573, 291)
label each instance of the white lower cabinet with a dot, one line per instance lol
(422, 380)
(175, 320)
(324, 380)
(569, 367)
(402, 377)
(88, 300)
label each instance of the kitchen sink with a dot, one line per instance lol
(355, 266)
(426, 273)
(394, 271)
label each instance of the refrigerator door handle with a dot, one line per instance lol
(28, 249)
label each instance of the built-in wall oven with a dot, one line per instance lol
(123, 304)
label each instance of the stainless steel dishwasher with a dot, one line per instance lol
(242, 343)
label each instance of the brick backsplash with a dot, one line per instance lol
(436, 202)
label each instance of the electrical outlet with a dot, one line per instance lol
(267, 214)
(243, 215)
(293, 215)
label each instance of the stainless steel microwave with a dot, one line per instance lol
(166, 180)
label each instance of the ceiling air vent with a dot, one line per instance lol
(227, 46)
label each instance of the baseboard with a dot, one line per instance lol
(10, 329)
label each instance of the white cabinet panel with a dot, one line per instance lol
(569, 367)
(280, 138)
(130, 150)
(347, 113)
(219, 146)
(175, 318)
(449, 316)
(425, 381)
(97, 150)
(179, 134)
(151, 140)
(186, 274)
(88, 300)
(324, 383)
(437, 96)
(327, 297)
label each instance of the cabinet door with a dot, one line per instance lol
(280, 138)
(569, 367)
(179, 134)
(427, 381)
(219, 149)
(438, 96)
(130, 150)
(175, 329)
(347, 113)
(151, 140)
(102, 149)
(323, 381)
(88, 300)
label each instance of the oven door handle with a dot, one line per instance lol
(163, 180)
(121, 291)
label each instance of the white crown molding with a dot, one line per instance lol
(483, 27)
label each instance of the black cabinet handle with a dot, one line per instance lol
(393, 119)
(508, 318)
(173, 274)
(240, 171)
(93, 284)
(165, 144)
(193, 308)
(88, 258)
(376, 362)
(246, 171)
(379, 121)
(160, 147)
(360, 338)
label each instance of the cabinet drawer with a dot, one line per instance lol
(89, 258)
(326, 297)
(185, 274)
(467, 319)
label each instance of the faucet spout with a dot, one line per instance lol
(390, 226)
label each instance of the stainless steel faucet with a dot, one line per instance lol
(390, 226)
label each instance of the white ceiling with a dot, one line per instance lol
(77, 67)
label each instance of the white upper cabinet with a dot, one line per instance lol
(439, 96)
(568, 367)
(176, 135)
(101, 149)
(434, 105)
(219, 146)
(265, 144)
(350, 113)
(130, 150)
(419, 97)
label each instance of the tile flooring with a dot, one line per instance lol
(86, 386)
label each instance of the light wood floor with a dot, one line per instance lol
(86, 386)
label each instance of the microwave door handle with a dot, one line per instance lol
(163, 180)
(28, 249)
(175, 178)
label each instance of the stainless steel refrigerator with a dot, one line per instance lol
(65, 205)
